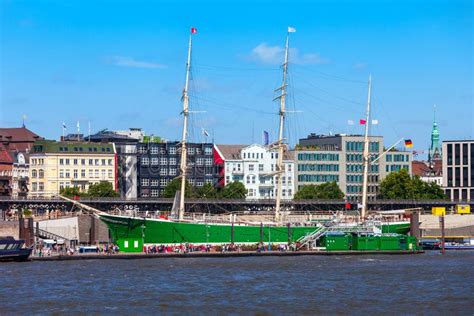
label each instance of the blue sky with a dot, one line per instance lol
(120, 64)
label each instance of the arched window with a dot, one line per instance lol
(34, 173)
(41, 173)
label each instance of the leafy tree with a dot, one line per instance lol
(175, 185)
(207, 191)
(102, 189)
(328, 190)
(234, 190)
(400, 185)
(71, 192)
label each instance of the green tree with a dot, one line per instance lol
(71, 192)
(234, 190)
(328, 190)
(102, 189)
(400, 185)
(175, 185)
(207, 191)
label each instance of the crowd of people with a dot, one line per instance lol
(48, 250)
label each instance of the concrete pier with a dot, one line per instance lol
(128, 256)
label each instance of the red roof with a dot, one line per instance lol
(18, 138)
(422, 168)
(5, 158)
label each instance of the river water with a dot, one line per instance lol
(393, 284)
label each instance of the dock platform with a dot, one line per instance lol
(128, 256)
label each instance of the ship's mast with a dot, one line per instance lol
(280, 166)
(185, 98)
(365, 184)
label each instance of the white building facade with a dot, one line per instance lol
(255, 166)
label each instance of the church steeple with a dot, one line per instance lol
(435, 150)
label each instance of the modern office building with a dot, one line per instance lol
(157, 165)
(56, 165)
(458, 169)
(255, 166)
(323, 158)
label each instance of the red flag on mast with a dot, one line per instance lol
(362, 122)
(193, 30)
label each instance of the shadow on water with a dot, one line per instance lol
(418, 284)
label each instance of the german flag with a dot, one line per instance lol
(408, 143)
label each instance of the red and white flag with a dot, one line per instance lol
(193, 30)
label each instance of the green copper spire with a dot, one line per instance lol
(435, 150)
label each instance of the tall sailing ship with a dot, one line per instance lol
(132, 232)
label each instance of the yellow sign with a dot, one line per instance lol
(463, 209)
(438, 211)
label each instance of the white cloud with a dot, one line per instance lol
(132, 62)
(267, 54)
(360, 66)
(274, 55)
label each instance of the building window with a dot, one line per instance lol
(163, 161)
(251, 167)
(154, 150)
(199, 183)
(61, 173)
(111, 175)
(96, 173)
(172, 150)
(110, 162)
(253, 179)
(260, 167)
(145, 161)
(61, 186)
(91, 173)
(96, 162)
(75, 162)
(199, 161)
(154, 161)
(172, 172)
(61, 161)
(208, 150)
(67, 161)
(142, 149)
(163, 171)
(163, 182)
(172, 161)
(83, 173)
(190, 151)
(34, 186)
(145, 182)
(208, 161)
(75, 174)
(154, 192)
(154, 182)
(83, 162)
(41, 173)
(67, 174)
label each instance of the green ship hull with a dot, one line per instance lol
(131, 233)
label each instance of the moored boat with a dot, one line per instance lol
(13, 250)
(132, 233)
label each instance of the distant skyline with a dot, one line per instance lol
(121, 64)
